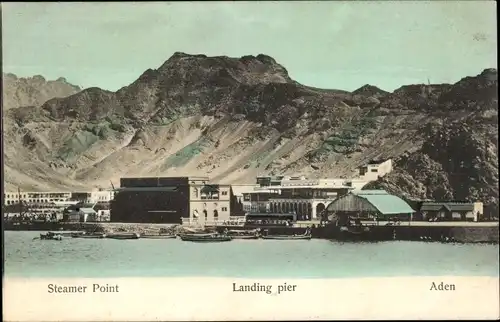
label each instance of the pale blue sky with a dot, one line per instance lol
(329, 44)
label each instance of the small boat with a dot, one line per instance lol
(49, 236)
(68, 233)
(90, 236)
(306, 235)
(243, 234)
(159, 236)
(123, 236)
(287, 237)
(205, 237)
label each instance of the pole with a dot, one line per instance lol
(19, 201)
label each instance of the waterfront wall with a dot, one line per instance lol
(467, 234)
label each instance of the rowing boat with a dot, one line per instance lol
(49, 236)
(205, 238)
(123, 236)
(158, 236)
(287, 237)
(89, 236)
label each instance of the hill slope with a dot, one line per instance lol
(235, 118)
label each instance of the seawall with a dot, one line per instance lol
(467, 233)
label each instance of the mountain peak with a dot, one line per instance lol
(370, 90)
(247, 69)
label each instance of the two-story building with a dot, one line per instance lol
(11, 198)
(208, 202)
(307, 198)
(170, 200)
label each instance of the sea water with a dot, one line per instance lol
(316, 258)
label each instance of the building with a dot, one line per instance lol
(170, 200)
(375, 169)
(101, 196)
(241, 203)
(11, 198)
(369, 204)
(447, 211)
(307, 198)
(81, 215)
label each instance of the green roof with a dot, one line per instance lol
(385, 203)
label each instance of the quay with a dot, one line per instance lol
(470, 232)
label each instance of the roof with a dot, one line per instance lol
(210, 188)
(87, 210)
(370, 192)
(268, 214)
(239, 190)
(450, 206)
(385, 203)
(140, 189)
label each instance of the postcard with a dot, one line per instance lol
(223, 161)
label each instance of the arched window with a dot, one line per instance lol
(216, 214)
(205, 213)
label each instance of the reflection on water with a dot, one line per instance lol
(73, 257)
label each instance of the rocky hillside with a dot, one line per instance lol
(33, 91)
(235, 118)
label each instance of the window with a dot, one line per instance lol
(224, 193)
(374, 170)
(205, 213)
(216, 213)
(224, 208)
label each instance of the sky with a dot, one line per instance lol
(329, 44)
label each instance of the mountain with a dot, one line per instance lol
(235, 118)
(33, 91)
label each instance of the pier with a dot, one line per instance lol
(470, 232)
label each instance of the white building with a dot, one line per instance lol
(375, 169)
(11, 198)
(101, 195)
(208, 202)
(307, 198)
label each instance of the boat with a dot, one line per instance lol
(49, 236)
(243, 234)
(123, 236)
(90, 236)
(169, 236)
(287, 237)
(306, 235)
(210, 238)
(69, 233)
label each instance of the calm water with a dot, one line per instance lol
(241, 258)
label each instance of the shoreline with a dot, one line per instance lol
(484, 232)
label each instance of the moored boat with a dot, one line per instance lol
(245, 237)
(287, 237)
(49, 236)
(170, 236)
(205, 237)
(306, 235)
(90, 236)
(243, 234)
(123, 236)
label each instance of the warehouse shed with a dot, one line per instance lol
(370, 204)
